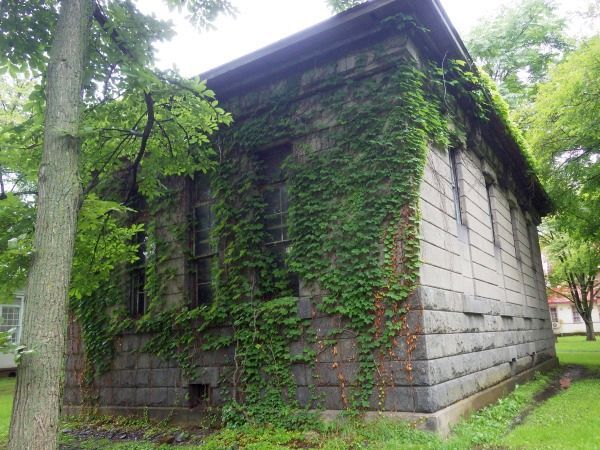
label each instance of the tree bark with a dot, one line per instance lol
(589, 327)
(38, 396)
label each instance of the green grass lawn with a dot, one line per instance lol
(576, 350)
(569, 420)
(7, 388)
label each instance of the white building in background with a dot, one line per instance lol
(566, 319)
(12, 319)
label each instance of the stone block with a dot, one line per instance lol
(142, 377)
(204, 375)
(144, 360)
(125, 397)
(335, 373)
(219, 396)
(106, 396)
(400, 375)
(124, 361)
(130, 343)
(222, 357)
(177, 397)
(165, 377)
(303, 396)
(394, 398)
(341, 350)
(72, 396)
(107, 379)
(302, 374)
(440, 300)
(418, 348)
(332, 397)
(304, 308)
(476, 305)
(152, 397)
(125, 378)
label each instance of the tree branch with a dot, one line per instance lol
(145, 136)
(104, 22)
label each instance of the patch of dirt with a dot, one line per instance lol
(561, 381)
(117, 435)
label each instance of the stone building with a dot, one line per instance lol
(476, 322)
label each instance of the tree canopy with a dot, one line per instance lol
(517, 45)
(565, 133)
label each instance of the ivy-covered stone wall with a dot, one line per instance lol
(400, 306)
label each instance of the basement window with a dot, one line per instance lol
(199, 395)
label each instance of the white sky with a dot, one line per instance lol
(262, 22)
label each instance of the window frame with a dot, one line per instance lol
(16, 337)
(514, 222)
(490, 190)
(453, 156)
(137, 279)
(279, 247)
(202, 198)
(575, 315)
(554, 314)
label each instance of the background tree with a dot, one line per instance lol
(565, 134)
(573, 272)
(96, 69)
(517, 45)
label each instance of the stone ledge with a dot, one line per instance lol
(442, 421)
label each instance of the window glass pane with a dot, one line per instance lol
(284, 197)
(202, 217)
(202, 188)
(203, 223)
(137, 296)
(276, 199)
(203, 270)
(203, 294)
(10, 320)
(272, 198)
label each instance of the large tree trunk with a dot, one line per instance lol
(589, 327)
(36, 411)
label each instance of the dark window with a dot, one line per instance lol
(489, 187)
(203, 250)
(276, 212)
(514, 221)
(553, 315)
(455, 189)
(199, 395)
(576, 316)
(137, 294)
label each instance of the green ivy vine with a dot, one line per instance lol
(353, 221)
